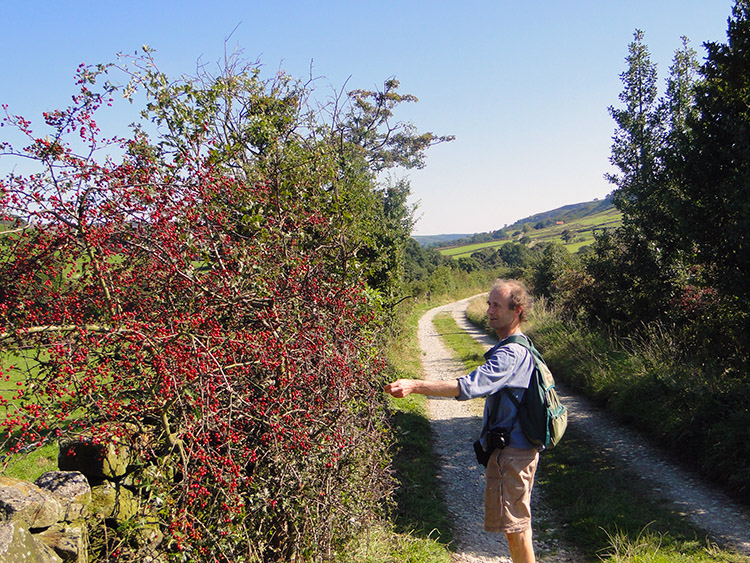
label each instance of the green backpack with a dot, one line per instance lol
(543, 417)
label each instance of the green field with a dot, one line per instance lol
(581, 233)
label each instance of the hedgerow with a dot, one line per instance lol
(201, 300)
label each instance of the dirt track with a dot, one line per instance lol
(456, 424)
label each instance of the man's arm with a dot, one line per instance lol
(404, 387)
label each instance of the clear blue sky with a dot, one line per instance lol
(524, 86)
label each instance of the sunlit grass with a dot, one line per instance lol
(464, 349)
(29, 466)
(20, 369)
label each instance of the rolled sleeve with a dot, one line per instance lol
(497, 372)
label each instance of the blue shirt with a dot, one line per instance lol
(509, 365)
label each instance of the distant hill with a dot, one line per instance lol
(567, 214)
(428, 240)
(571, 225)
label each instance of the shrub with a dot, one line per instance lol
(203, 300)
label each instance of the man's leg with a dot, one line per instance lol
(521, 547)
(507, 499)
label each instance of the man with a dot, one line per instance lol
(510, 470)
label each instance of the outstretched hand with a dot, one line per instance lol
(400, 388)
(403, 387)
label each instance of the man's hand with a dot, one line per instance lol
(401, 388)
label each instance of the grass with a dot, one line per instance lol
(30, 465)
(613, 515)
(383, 546)
(420, 507)
(463, 349)
(421, 528)
(468, 249)
(14, 368)
(609, 514)
(692, 408)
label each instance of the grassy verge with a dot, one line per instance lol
(463, 346)
(607, 513)
(382, 545)
(29, 465)
(420, 528)
(420, 508)
(691, 407)
(614, 516)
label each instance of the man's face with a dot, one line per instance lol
(499, 311)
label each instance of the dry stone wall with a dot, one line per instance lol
(44, 521)
(48, 521)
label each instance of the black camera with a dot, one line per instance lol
(498, 439)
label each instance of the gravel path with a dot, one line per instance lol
(456, 425)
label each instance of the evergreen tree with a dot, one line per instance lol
(626, 262)
(680, 100)
(639, 134)
(638, 270)
(716, 177)
(679, 109)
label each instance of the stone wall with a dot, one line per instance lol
(48, 521)
(45, 521)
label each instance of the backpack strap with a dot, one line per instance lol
(524, 341)
(521, 339)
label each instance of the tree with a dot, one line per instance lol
(515, 255)
(715, 180)
(369, 127)
(638, 138)
(660, 208)
(420, 262)
(556, 264)
(680, 96)
(270, 127)
(627, 285)
(640, 269)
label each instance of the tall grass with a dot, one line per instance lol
(690, 408)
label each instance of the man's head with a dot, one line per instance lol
(507, 306)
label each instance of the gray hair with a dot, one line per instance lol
(519, 295)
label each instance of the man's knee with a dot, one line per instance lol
(521, 546)
(518, 538)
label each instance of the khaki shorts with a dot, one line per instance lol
(507, 495)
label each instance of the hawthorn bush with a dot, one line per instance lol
(202, 299)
